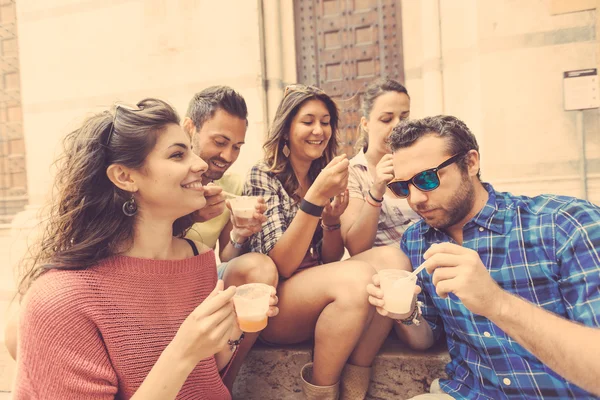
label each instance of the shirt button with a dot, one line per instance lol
(506, 381)
(487, 334)
(481, 229)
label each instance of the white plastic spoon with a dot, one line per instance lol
(416, 271)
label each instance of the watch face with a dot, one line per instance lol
(235, 244)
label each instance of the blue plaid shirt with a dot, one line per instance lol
(544, 249)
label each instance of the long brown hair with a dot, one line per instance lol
(276, 162)
(85, 222)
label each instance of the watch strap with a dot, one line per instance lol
(310, 208)
(235, 244)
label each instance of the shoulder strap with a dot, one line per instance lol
(193, 245)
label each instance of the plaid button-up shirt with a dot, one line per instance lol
(544, 249)
(281, 210)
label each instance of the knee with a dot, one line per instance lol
(350, 290)
(388, 257)
(256, 268)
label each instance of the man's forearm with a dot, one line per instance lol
(567, 347)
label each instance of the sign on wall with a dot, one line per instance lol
(580, 88)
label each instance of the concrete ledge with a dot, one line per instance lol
(399, 373)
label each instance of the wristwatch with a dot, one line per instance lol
(235, 244)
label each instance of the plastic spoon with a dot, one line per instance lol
(229, 195)
(416, 271)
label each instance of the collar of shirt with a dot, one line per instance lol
(491, 216)
(359, 159)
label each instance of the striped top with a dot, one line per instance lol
(544, 249)
(395, 215)
(96, 333)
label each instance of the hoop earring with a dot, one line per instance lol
(130, 207)
(286, 151)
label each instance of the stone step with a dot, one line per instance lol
(398, 372)
(274, 372)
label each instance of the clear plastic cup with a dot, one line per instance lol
(398, 290)
(251, 303)
(243, 208)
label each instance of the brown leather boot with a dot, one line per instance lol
(313, 392)
(355, 382)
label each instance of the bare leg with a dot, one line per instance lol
(247, 268)
(379, 328)
(385, 257)
(329, 302)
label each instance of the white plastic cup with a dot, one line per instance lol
(251, 303)
(398, 290)
(243, 208)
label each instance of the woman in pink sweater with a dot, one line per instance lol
(117, 305)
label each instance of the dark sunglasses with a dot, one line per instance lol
(302, 88)
(124, 106)
(425, 181)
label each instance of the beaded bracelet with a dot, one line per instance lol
(233, 344)
(414, 317)
(333, 227)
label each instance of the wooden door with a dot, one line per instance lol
(342, 45)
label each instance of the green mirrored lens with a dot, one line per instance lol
(400, 188)
(426, 180)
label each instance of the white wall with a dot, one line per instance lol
(81, 56)
(501, 65)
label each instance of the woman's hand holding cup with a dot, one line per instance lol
(207, 329)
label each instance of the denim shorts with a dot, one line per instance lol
(221, 270)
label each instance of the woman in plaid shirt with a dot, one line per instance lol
(320, 297)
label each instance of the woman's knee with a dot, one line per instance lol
(350, 287)
(385, 257)
(253, 268)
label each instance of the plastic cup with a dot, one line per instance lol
(251, 303)
(243, 208)
(398, 290)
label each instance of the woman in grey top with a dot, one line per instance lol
(375, 217)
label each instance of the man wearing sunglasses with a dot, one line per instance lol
(216, 121)
(513, 281)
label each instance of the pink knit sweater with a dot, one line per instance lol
(96, 333)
